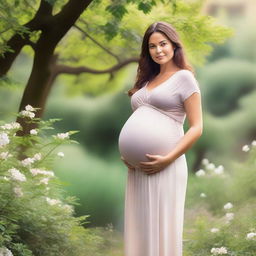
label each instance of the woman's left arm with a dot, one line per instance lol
(193, 108)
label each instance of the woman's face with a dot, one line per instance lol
(160, 48)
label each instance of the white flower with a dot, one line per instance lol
(202, 195)
(228, 206)
(26, 113)
(6, 127)
(200, 172)
(5, 178)
(5, 155)
(35, 171)
(5, 252)
(4, 139)
(29, 108)
(221, 250)
(44, 181)
(13, 125)
(68, 208)
(17, 175)
(245, 148)
(110, 227)
(53, 201)
(254, 143)
(60, 154)
(16, 125)
(229, 216)
(27, 161)
(37, 157)
(18, 191)
(62, 136)
(251, 236)
(219, 170)
(214, 230)
(210, 166)
(205, 161)
(33, 132)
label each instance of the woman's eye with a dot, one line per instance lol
(153, 46)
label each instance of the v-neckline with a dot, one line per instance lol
(149, 91)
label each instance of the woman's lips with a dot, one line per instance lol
(159, 57)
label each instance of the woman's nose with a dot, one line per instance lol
(158, 49)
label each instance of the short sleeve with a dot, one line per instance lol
(188, 85)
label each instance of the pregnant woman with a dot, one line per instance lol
(152, 144)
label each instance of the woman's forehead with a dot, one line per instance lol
(157, 37)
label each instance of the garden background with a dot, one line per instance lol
(75, 61)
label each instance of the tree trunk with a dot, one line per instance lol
(42, 74)
(38, 87)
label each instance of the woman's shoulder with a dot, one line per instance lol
(186, 73)
(188, 82)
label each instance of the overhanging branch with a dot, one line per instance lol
(97, 43)
(64, 69)
(16, 42)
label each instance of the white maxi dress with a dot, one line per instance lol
(154, 204)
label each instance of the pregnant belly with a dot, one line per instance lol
(148, 131)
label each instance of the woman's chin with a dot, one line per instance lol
(161, 61)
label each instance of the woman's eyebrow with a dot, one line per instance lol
(160, 42)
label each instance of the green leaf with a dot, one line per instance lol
(117, 10)
(146, 7)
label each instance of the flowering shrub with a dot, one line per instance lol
(35, 216)
(230, 229)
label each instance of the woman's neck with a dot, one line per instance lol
(168, 68)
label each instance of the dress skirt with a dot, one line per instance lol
(154, 204)
(154, 210)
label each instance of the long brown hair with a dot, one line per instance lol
(147, 68)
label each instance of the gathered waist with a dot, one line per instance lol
(167, 113)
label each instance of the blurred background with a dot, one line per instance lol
(222, 50)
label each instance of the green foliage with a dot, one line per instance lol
(198, 32)
(118, 9)
(109, 242)
(242, 186)
(36, 217)
(243, 42)
(232, 235)
(225, 82)
(100, 120)
(114, 34)
(13, 15)
(236, 186)
(103, 179)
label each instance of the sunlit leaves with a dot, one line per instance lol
(111, 29)
(146, 6)
(116, 9)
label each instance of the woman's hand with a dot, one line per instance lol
(130, 167)
(157, 164)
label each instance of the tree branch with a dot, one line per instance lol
(67, 17)
(64, 69)
(16, 42)
(97, 43)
